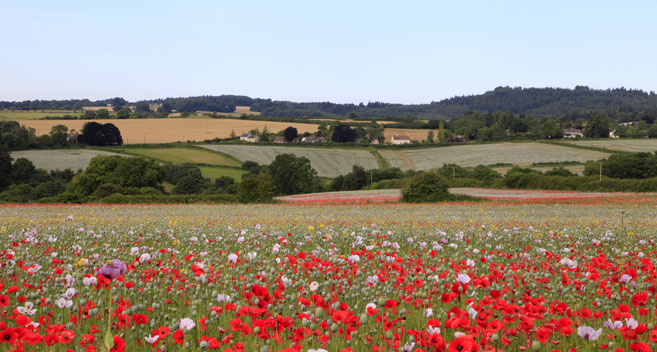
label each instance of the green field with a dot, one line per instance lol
(214, 172)
(35, 114)
(523, 154)
(625, 145)
(181, 155)
(60, 159)
(329, 162)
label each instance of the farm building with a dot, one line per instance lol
(247, 137)
(401, 139)
(612, 134)
(572, 133)
(375, 141)
(280, 139)
(314, 139)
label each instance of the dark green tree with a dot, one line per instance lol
(5, 167)
(255, 189)
(343, 134)
(426, 187)
(290, 133)
(291, 174)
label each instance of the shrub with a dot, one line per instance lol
(426, 187)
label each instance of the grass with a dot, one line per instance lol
(329, 162)
(214, 172)
(182, 155)
(625, 145)
(522, 154)
(34, 114)
(60, 159)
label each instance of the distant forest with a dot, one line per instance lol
(620, 104)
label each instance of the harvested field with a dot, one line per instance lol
(415, 134)
(136, 131)
(328, 162)
(626, 145)
(60, 159)
(488, 154)
(213, 172)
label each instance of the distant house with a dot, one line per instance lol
(572, 133)
(313, 139)
(612, 134)
(375, 141)
(280, 139)
(457, 138)
(247, 137)
(401, 139)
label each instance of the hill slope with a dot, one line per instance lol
(541, 102)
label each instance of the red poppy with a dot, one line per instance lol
(463, 343)
(179, 337)
(119, 344)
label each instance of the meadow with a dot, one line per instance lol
(523, 154)
(34, 114)
(329, 162)
(625, 145)
(60, 159)
(491, 276)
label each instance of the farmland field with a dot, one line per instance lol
(415, 134)
(328, 162)
(136, 131)
(488, 154)
(34, 114)
(448, 277)
(626, 145)
(60, 159)
(183, 156)
(214, 172)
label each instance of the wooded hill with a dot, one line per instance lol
(621, 103)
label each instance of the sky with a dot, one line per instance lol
(339, 51)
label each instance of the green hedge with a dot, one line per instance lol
(169, 199)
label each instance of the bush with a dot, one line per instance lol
(169, 199)
(255, 189)
(426, 187)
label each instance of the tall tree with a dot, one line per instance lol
(343, 134)
(290, 134)
(291, 174)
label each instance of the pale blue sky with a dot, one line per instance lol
(340, 51)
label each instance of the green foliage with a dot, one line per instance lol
(631, 165)
(21, 171)
(290, 133)
(15, 136)
(559, 171)
(343, 134)
(190, 184)
(255, 189)
(425, 187)
(292, 175)
(5, 167)
(169, 199)
(597, 127)
(94, 133)
(123, 171)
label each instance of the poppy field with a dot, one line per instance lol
(485, 276)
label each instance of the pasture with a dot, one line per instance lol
(523, 154)
(138, 131)
(625, 145)
(60, 159)
(181, 155)
(35, 114)
(329, 162)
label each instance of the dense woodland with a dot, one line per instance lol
(623, 104)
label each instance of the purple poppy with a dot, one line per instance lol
(112, 271)
(588, 333)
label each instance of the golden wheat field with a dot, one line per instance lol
(173, 130)
(415, 134)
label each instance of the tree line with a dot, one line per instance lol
(623, 104)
